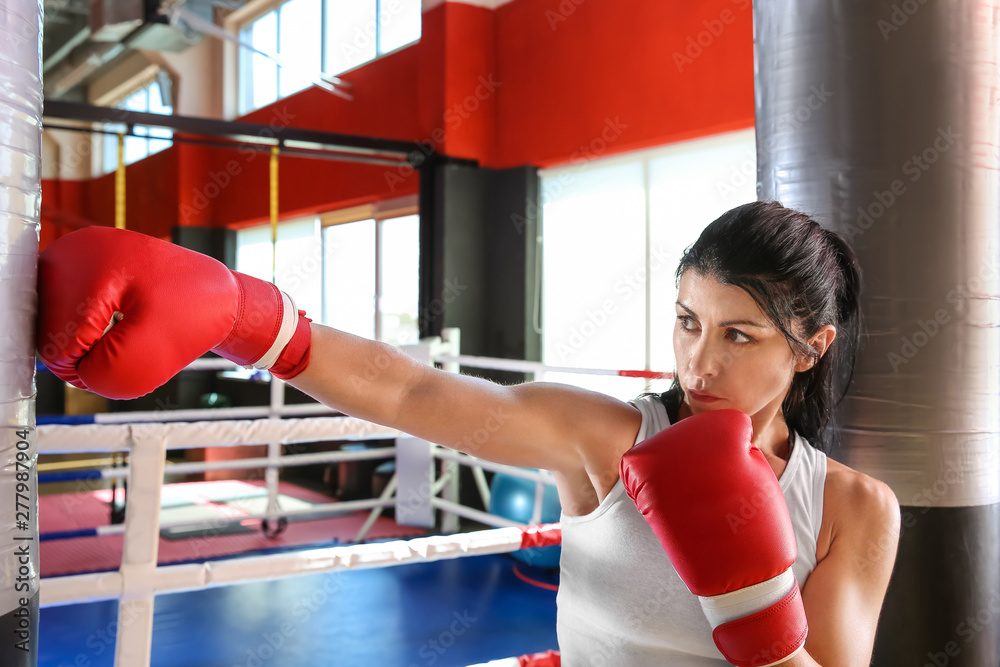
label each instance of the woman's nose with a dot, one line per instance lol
(705, 360)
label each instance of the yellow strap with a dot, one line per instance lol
(120, 184)
(274, 214)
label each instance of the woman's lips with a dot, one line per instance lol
(703, 398)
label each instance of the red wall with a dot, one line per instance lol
(577, 73)
(540, 82)
(151, 203)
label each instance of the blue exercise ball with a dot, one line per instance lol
(514, 498)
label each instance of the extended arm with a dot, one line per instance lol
(537, 424)
(120, 313)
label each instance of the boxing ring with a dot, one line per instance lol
(933, 65)
(425, 484)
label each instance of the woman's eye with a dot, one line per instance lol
(746, 338)
(737, 335)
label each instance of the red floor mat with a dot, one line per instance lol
(88, 510)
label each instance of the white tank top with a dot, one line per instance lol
(621, 602)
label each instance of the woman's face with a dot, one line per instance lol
(725, 346)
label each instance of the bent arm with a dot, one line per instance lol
(843, 595)
(537, 425)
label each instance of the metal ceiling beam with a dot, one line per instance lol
(329, 143)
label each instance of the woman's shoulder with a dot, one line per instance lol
(856, 506)
(853, 487)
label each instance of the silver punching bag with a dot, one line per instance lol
(20, 202)
(880, 119)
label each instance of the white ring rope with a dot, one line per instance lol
(212, 364)
(196, 576)
(538, 367)
(313, 511)
(543, 476)
(285, 461)
(492, 363)
(214, 414)
(64, 439)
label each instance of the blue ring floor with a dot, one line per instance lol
(445, 613)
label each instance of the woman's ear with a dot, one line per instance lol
(820, 343)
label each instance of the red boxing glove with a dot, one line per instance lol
(547, 659)
(120, 313)
(689, 482)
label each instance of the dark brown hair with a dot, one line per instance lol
(803, 277)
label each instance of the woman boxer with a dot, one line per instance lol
(768, 305)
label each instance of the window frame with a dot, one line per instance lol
(380, 212)
(143, 82)
(233, 64)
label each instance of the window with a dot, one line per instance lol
(313, 36)
(298, 266)
(349, 278)
(399, 290)
(647, 207)
(371, 278)
(359, 276)
(149, 140)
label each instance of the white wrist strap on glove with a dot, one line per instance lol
(289, 320)
(727, 607)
